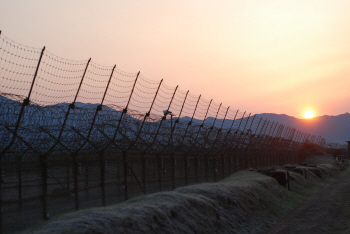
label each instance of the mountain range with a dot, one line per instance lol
(333, 128)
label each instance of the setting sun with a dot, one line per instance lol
(308, 114)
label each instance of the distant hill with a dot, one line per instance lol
(333, 128)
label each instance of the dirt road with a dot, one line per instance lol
(325, 210)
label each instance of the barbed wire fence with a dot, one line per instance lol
(76, 134)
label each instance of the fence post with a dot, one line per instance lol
(228, 146)
(238, 147)
(280, 145)
(236, 144)
(159, 167)
(152, 143)
(247, 155)
(277, 144)
(102, 178)
(146, 116)
(161, 121)
(44, 174)
(264, 143)
(125, 110)
(19, 170)
(98, 109)
(223, 155)
(259, 158)
(24, 104)
(269, 143)
(176, 121)
(256, 146)
(272, 140)
(216, 169)
(125, 181)
(214, 143)
(196, 155)
(71, 106)
(172, 158)
(205, 143)
(75, 180)
(183, 139)
(143, 168)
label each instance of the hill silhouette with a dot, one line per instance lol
(333, 128)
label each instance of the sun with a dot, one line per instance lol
(308, 114)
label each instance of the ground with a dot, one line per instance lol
(325, 210)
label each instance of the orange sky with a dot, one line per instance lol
(260, 56)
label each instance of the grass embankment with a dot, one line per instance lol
(245, 202)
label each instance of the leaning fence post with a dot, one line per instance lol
(161, 121)
(238, 143)
(71, 106)
(196, 155)
(183, 139)
(256, 146)
(258, 159)
(125, 110)
(98, 109)
(205, 143)
(271, 142)
(146, 116)
(233, 139)
(247, 156)
(228, 146)
(24, 104)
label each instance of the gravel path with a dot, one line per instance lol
(325, 210)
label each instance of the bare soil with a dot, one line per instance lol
(325, 210)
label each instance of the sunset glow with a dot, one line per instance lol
(241, 53)
(308, 114)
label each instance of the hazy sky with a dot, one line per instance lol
(259, 56)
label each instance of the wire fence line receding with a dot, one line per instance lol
(91, 135)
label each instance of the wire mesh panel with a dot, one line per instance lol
(18, 64)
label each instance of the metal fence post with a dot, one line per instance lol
(146, 116)
(71, 106)
(125, 181)
(125, 110)
(227, 145)
(255, 146)
(98, 109)
(238, 146)
(44, 174)
(205, 143)
(75, 180)
(102, 178)
(195, 140)
(236, 143)
(24, 104)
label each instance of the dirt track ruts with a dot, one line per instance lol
(325, 210)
